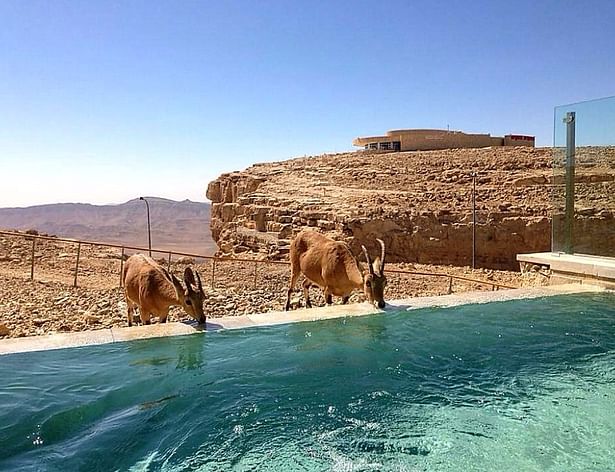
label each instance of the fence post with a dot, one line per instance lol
(121, 267)
(569, 120)
(32, 261)
(473, 174)
(213, 274)
(169, 262)
(450, 285)
(77, 264)
(255, 272)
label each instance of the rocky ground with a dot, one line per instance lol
(419, 203)
(51, 304)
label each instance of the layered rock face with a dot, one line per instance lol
(419, 203)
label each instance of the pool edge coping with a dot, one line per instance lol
(123, 334)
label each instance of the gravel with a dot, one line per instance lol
(50, 304)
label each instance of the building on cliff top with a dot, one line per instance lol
(432, 139)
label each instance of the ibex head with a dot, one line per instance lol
(374, 279)
(192, 296)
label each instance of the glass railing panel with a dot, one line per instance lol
(589, 227)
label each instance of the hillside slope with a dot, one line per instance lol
(420, 203)
(181, 226)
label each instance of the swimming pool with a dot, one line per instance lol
(517, 385)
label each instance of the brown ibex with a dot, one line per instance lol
(331, 265)
(150, 287)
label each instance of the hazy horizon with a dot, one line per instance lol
(152, 197)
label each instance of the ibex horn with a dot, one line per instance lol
(369, 261)
(189, 278)
(382, 255)
(198, 279)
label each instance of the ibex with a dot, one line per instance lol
(332, 266)
(150, 287)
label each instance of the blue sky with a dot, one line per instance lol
(103, 101)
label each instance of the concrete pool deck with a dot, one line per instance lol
(121, 334)
(575, 268)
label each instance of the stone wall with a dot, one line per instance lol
(246, 221)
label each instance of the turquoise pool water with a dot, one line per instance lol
(523, 385)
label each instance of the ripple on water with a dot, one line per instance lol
(488, 387)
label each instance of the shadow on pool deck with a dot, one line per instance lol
(121, 334)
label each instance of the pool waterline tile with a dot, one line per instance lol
(121, 334)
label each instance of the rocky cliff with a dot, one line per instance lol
(419, 203)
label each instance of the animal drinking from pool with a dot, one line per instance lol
(331, 265)
(154, 290)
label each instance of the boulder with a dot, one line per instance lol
(186, 260)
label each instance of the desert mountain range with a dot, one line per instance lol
(180, 226)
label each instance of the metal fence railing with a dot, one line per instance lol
(215, 261)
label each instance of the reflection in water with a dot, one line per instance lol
(190, 352)
(186, 351)
(311, 336)
(521, 385)
(151, 361)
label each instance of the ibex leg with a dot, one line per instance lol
(131, 310)
(145, 315)
(306, 293)
(294, 275)
(328, 297)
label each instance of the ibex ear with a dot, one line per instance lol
(176, 283)
(189, 279)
